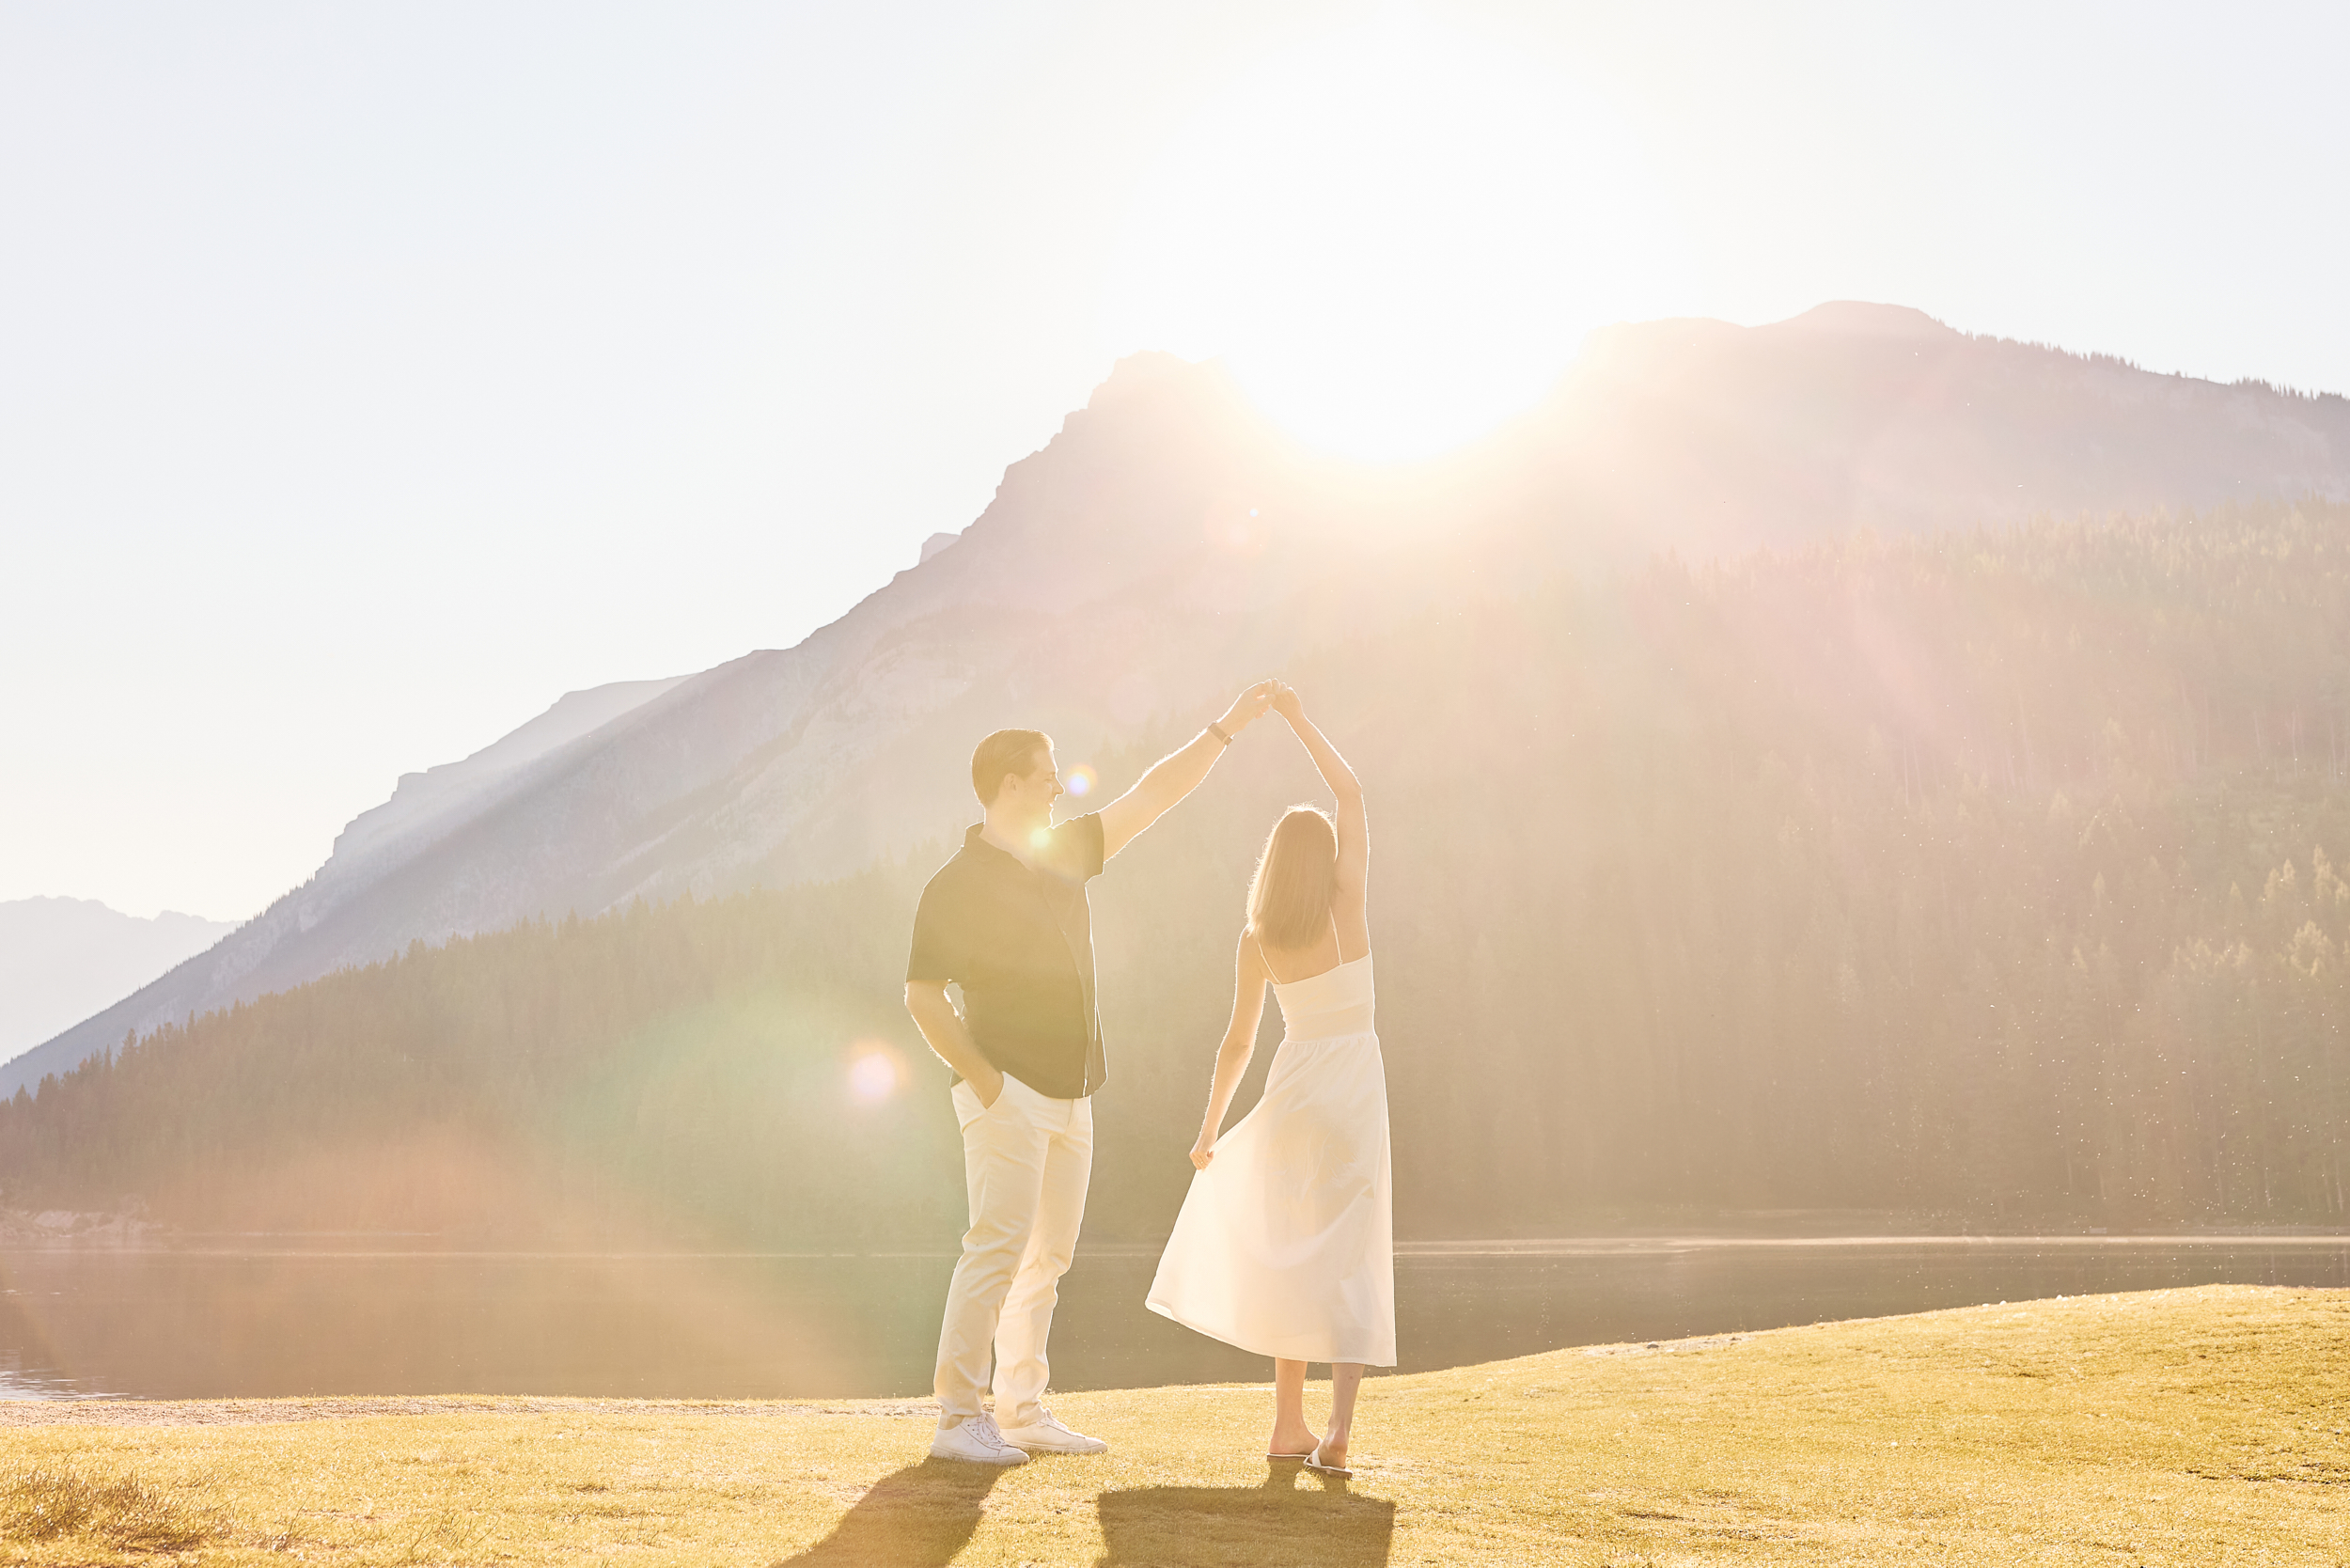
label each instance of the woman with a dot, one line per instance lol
(1285, 1245)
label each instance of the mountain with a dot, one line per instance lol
(62, 959)
(429, 804)
(1863, 415)
(1166, 545)
(1991, 878)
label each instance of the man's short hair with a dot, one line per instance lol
(1005, 751)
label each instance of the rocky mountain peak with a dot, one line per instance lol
(1861, 319)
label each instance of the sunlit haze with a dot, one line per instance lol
(1395, 236)
(370, 377)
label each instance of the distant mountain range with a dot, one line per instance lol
(1168, 545)
(63, 959)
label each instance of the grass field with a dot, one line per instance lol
(2172, 1427)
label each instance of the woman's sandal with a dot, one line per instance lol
(1313, 1463)
(1288, 1458)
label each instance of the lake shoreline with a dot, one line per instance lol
(250, 1322)
(73, 1232)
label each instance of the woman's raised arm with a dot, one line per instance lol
(1351, 906)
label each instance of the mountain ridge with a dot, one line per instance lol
(1993, 875)
(421, 801)
(1166, 545)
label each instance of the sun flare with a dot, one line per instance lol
(1396, 240)
(876, 1072)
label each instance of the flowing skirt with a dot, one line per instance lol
(1286, 1242)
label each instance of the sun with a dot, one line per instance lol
(1395, 239)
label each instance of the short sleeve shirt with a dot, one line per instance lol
(1019, 940)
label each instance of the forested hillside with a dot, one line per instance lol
(1169, 538)
(1990, 876)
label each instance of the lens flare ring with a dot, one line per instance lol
(876, 1072)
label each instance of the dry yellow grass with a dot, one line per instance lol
(2175, 1427)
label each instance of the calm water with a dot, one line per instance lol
(259, 1323)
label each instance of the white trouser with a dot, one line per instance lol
(1025, 1161)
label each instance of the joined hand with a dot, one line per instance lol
(1248, 706)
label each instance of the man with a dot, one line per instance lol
(1007, 919)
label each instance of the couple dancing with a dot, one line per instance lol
(1284, 1244)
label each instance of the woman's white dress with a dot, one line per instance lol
(1286, 1243)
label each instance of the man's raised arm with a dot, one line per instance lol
(1177, 774)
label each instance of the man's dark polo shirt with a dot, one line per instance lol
(1020, 943)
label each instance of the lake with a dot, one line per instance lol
(261, 1321)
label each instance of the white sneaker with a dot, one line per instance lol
(1046, 1434)
(977, 1440)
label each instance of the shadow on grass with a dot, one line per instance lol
(918, 1518)
(1280, 1522)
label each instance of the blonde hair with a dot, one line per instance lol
(1296, 880)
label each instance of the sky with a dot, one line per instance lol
(372, 375)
